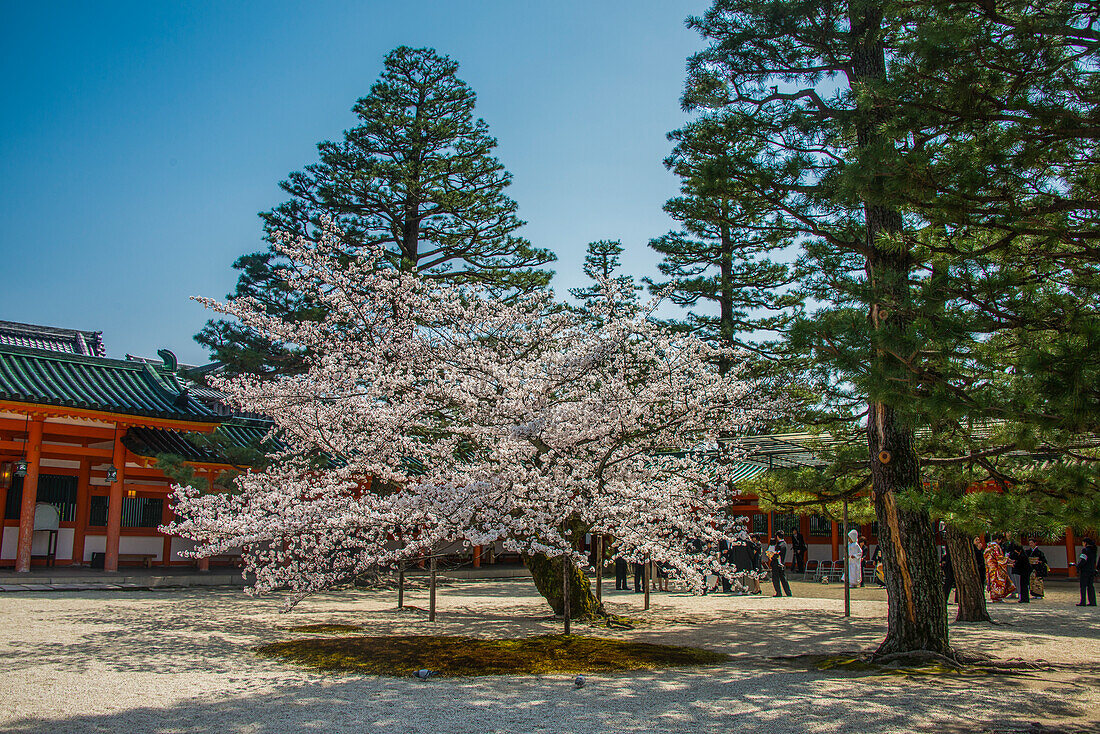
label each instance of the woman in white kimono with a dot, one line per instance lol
(855, 559)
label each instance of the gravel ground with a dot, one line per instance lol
(180, 661)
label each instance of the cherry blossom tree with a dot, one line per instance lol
(433, 413)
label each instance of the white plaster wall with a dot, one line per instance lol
(140, 544)
(41, 540)
(94, 544)
(11, 538)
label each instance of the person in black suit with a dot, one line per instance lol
(639, 578)
(1021, 567)
(622, 570)
(724, 558)
(1086, 573)
(779, 569)
(799, 552)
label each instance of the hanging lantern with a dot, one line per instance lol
(7, 471)
(112, 474)
(21, 468)
(131, 493)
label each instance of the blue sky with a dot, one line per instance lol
(139, 140)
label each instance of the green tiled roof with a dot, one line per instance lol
(235, 433)
(95, 383)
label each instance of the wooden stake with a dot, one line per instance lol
(647, 567)
(599, 569)
(847, 565)
(431, 593)
(401, 588)
(566, 611)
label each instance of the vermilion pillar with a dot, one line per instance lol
(836, 541)
(477, 556)
(30, 496)
(83, 493)
(1071, 552)
(165, 518)
(114, 502)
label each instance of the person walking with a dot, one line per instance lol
(799, 552)
(866, 555)
(1021, 568)
(855, 559)
(622, 571)
(1039, 568)
(1086, 572)
(779, 569)
(639, 578)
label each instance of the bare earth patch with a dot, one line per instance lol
(465, 656)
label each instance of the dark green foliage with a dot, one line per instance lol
(717, 266)
(416, 177)
(601, 263)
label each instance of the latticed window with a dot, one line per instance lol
(55, 489)
(137, 512)
(785, 523)
(820, 525)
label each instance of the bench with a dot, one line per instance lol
(145, 559)
(228, 559)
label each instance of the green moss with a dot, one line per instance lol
(322, 628)
(464, 656)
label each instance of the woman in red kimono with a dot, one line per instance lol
(996, 571)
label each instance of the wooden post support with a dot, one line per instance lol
(1071, 553)
(114, 502)
(565, 590)
(599, 569)
(477, 556)
(847, 566)
(30, 496)
(646, 580)
(431, 592)
(83, 499)
(401, 588)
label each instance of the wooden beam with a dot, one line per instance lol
(54, 450)
(124, 418)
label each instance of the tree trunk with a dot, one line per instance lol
(917, 616)
(968, 577)
(548, 577)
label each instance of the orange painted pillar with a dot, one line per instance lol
(1071, 552)
(836, 541)
(30, 496)
(477, 556)
(771, 532)
(83, 494)
(114, 502)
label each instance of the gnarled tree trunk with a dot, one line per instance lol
(547, 573)
(969, 579)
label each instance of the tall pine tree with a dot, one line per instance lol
(417, 177)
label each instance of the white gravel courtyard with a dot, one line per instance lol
(181, 661)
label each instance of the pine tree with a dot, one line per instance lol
(717, 266)
(607, 290)
(418, 177)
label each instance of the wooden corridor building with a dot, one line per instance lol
(81, 432)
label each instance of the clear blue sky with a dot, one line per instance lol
(139, 140)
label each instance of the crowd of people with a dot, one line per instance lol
(752, 558)
(1017, 571)
(1010, 570)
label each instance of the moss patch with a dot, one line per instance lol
(323, 628)
(465, 656)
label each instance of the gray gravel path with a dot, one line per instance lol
(179, 661)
